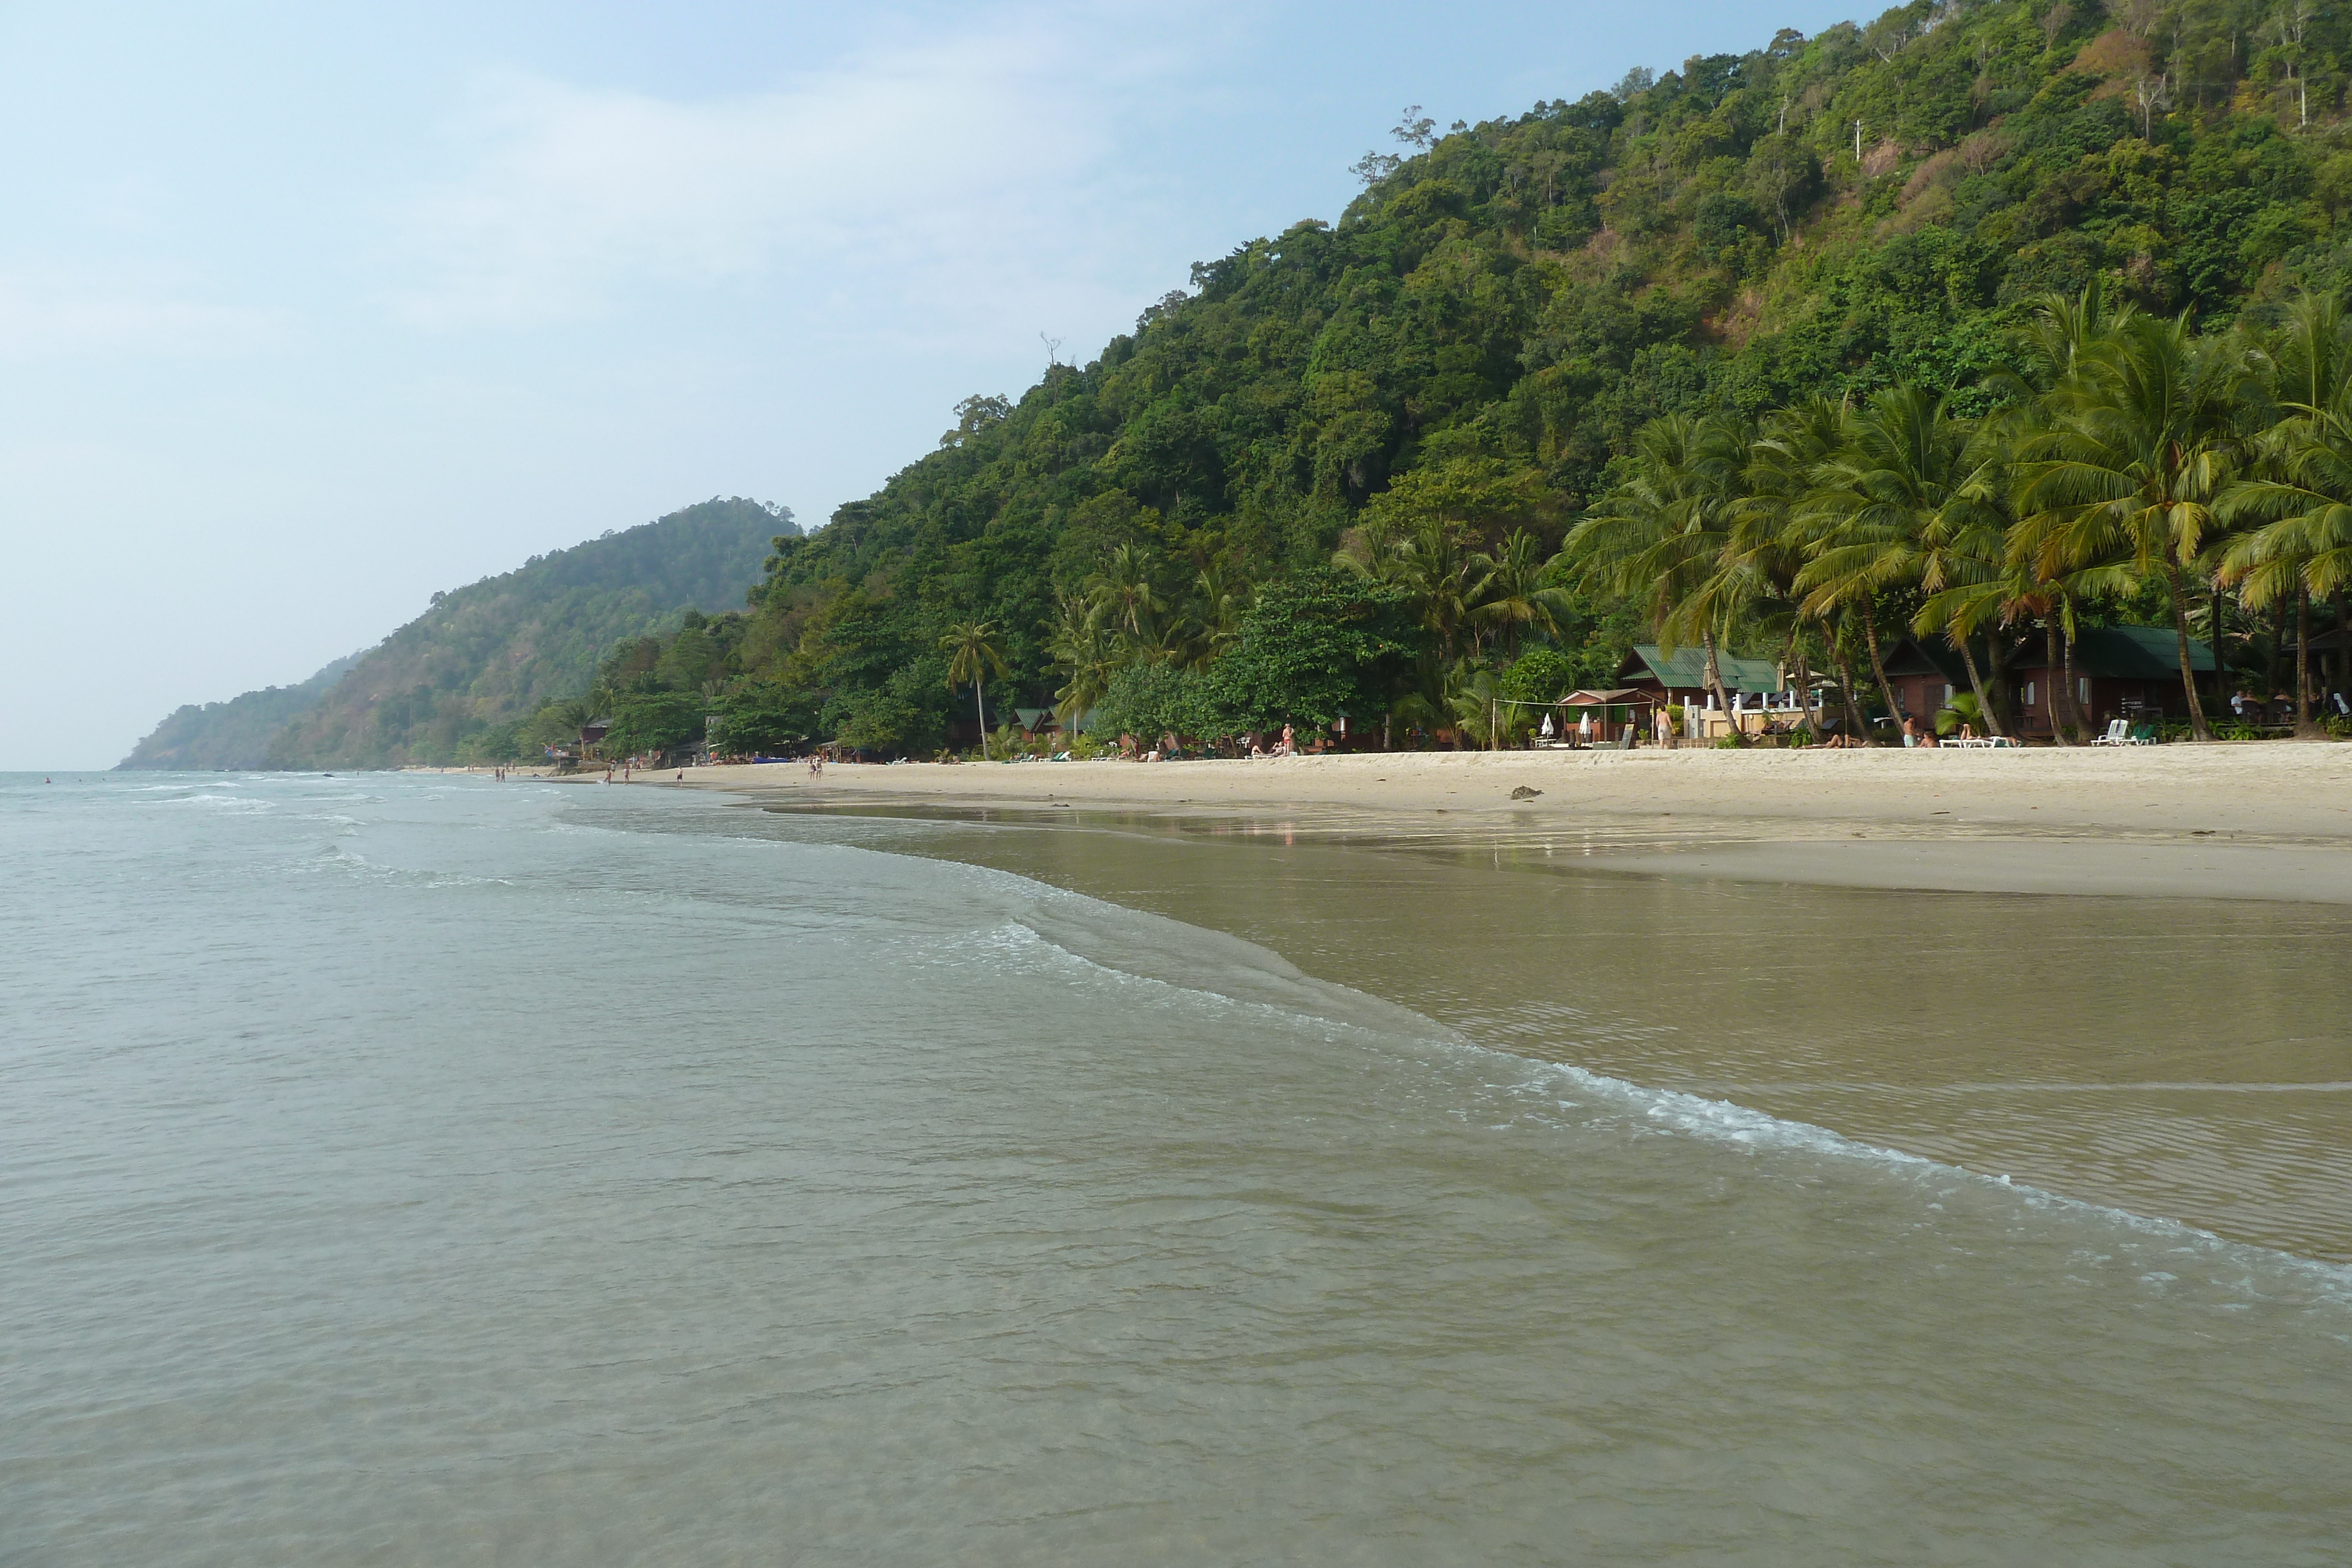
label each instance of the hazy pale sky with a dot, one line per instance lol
(308, 311)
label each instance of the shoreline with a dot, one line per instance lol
(2268, 823)
(2158, 1053)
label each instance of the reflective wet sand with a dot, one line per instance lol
(2185, 1059)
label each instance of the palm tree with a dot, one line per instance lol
(1770, 536)
(1079, 647)
(1451, 580)
(1516, 595)
(2063, 328)
(1900, 504)
(1477, 707)
(2303, 496)
(2054, 343)
(2145, 434)
(1126, 599)
(1662, 533)
(1215, 613)
(972, 652)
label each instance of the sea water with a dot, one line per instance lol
(409, 1170)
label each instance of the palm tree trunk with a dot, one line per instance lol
(2197, 728)
(2220, 671)
(1976, 683)
(2003, 715)
(2062, 688)
(2278, 647)
(2344, 640)
(1845, 691)
(2305, 730)
(981, 703)
(1714, 684)
(1878, 671)
(2083, 721)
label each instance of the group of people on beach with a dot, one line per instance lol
(1170, 748)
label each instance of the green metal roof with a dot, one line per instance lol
(2124, 653)
(1686, 670)
(2137, 653)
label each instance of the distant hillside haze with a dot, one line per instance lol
(209, 736)
(450, 686)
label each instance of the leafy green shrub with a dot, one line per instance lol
(1962, 709)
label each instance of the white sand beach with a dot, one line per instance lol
(2268, 821)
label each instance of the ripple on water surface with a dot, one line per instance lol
(648, 1193)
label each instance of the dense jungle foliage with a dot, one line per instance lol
(1355, 449)
(235, 734)
(455, 683)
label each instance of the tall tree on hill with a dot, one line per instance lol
(973, 653)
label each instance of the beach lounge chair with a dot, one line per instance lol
(2142, 735)
(2118, 732)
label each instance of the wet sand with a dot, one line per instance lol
(2170, 1038)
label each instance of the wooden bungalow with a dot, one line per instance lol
(1925, 675)
(2120, 672)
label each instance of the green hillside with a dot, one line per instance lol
(1438, 387)
(450, 686)
(234, 734)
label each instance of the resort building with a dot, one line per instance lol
(1758, 688)
(2120, 672)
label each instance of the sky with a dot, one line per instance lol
(309, 312)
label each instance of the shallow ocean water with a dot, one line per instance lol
(2175, 1057)
(408, 1170)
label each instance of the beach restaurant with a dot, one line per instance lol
(1761, 697)
(1591, 716)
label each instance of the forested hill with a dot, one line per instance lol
(1480, 334)
(450, 686)
(235, 734)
